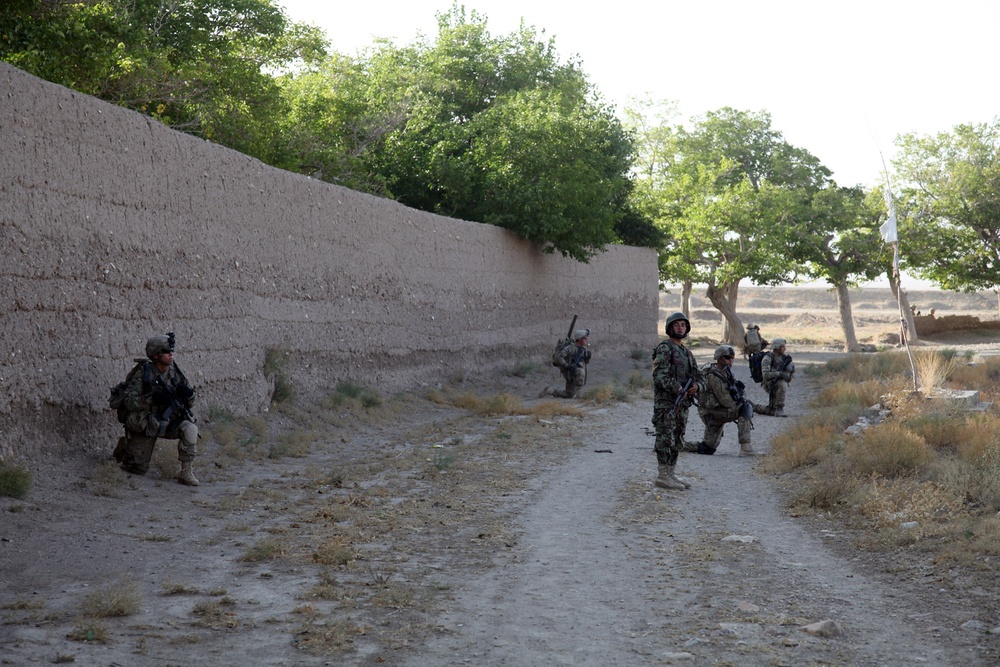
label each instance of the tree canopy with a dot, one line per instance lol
(950, 206)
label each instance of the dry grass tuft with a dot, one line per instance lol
(15, 480)
(109, 480)
(120, 598)
(268, 548)
(933, 369)
(90, 630)
(804, 444)
(335, 551)
(843, 392)
(889, 450)
(890, 503)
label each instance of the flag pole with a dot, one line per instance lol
(890, 234)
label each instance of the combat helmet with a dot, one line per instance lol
(160, 344)
(674, 317)
(581, 333)
(778, 342)
(724, 351)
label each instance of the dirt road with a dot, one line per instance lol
(600, 567)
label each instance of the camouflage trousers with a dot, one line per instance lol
(670, 429)
(776, 390)
(715, 421)
(575, 380)
(135, 450)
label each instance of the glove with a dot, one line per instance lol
(161, 396)
(786, 376)
(740, 385)
(184, 392)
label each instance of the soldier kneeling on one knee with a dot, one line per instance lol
(723, 402)
(155, 402)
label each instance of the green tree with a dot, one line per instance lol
(949, 208)
(725, 192)
(835, 234)
(199, 66)
(479, 127)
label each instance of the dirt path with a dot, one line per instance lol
(602, 578)
(601, 567)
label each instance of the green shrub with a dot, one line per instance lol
(15, 480)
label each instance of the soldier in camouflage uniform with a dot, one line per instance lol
(674, 368)
(777, 369)
(573, 360)
(723, 402)
(158, 399)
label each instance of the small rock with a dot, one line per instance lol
(909, 525)
(675, 657)
(746, 539)
(747, 606)
(973, 626)
(825, 628)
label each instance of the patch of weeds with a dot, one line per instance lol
(63, 659)
(828, 488)
(347, 391)
(295, 444)
(316, 636)
(266, 549)
(211, 614)
(275, 360)
(395, 596)
(524, 369)
(219, 415)
(90, 630)
(639, 354)
(888, 450)
(442, 460)
(172, 588)
(803, 444)
(889, 503)
(609, 392)
(335, 552)
(109, 480)
(327, 588)
(24, 605)
(15, 480)
(117, 599)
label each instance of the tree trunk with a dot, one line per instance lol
(904, 305)
(847, 318)
(724, 299)
(686, 299)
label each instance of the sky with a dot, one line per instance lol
(840, 79)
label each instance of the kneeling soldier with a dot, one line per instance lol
(723, 402)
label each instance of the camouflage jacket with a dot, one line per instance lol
(770, 364)
(568, 355)
(720, 387)
(673, 365)
(138, 397)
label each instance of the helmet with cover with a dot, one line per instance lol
(677, 317)
(777, 342)
(160, 344)
(724, 351)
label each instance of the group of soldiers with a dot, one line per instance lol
(679, 383)
(155, 400)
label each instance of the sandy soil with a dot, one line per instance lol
(541, 541)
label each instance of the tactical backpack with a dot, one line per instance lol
(117, 399)
(753, 337)
(756, 372)
(557, 358)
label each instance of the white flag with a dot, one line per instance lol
(888, 228)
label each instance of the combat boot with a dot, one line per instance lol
(666, 479)
(780, 412)
(186, 475)
(746, 449)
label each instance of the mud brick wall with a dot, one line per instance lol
(114, 228)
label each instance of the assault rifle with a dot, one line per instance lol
(774, 382)
(680, 396)
(175, 409)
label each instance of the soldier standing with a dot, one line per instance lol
(723, 402)
(753, 341)
(572, 362)
(676, 381)
(158, 400)
(777, 370)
